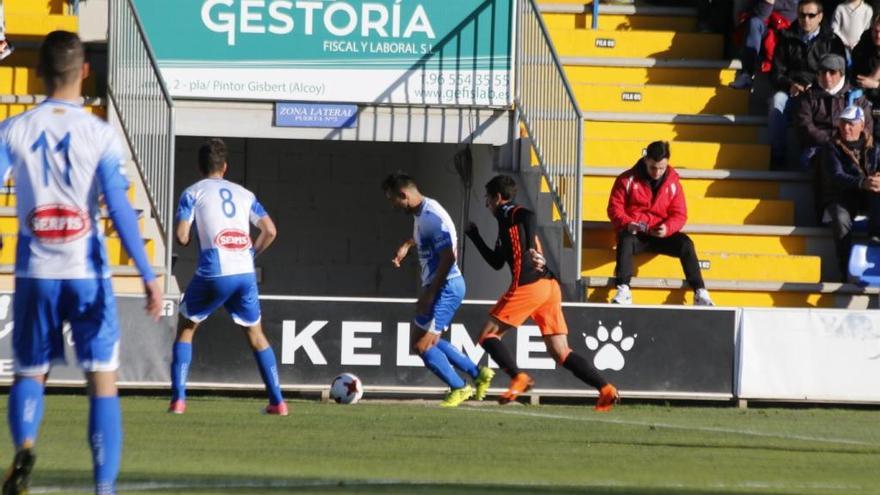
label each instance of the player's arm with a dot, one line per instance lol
(266, 226)
(529, 222)
(493, 257)
(402, 251)
(268, 233)
(114, 186)
(185, 213)
(182, 232)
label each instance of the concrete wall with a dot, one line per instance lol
(337, 232)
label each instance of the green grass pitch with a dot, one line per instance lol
(222, 445)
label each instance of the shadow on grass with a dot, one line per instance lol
(63, 481)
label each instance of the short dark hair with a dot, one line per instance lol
(397, 181)
(503, 185)
(212, 156)
(658, 150)
(818, 4)
(61, 59)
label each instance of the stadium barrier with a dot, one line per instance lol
(660, 352)
(809, 355)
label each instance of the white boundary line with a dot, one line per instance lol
(708, 429)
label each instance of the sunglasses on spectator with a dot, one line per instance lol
(808, 15)
(827, 71)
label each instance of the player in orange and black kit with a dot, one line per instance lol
(533, 292)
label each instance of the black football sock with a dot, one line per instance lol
(582, 369)
(501, 355)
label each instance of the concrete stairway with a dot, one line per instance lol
(27, 22)
(645, 75)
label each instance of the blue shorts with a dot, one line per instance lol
(40, 308)
(445, 305)
(237, 293)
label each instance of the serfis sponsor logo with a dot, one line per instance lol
(232, 240)
(57, 224)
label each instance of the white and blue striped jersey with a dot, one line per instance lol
(434, 232)
(222, 212)
(61, 158)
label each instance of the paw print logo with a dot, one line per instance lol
(609, 345)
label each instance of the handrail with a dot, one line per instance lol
(549, 112)
(146, 112)
(595, 14)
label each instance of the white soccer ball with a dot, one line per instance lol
(346, 389)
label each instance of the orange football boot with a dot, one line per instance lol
(519, 384)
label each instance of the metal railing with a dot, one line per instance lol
(146, 111)
(548, 110)
(595, 24)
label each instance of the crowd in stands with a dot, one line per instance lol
(823, 74)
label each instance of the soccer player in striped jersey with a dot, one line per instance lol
(223, 212)
(62, 159)
(533, 293)
(442, 289)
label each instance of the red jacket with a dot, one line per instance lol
(632, 201)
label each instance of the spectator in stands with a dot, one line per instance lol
(5, 47)
(795, 66)
(866, 63)
(851, 19)
(851, 181)
(821, 105)
(647, 208)
(760, 14)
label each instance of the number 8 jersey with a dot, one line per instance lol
(222, 212)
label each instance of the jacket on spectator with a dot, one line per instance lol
(786, 8)
(817, 113)
(843, 170)
(794, 61)
(865, 61)
(632, 200)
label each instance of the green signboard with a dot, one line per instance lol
(382, 51)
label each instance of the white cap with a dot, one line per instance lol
(852, 113)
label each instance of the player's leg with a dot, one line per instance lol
(105, 430)
(554, 330)
(244, 308)
(181, 358)
(95, 328)
(447, 303)
(509, 312)
(201, 298)
(36, 342)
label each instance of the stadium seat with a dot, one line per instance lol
(864, 264)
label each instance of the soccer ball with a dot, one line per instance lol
(346, 389)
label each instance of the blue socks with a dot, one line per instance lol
(25, 410)
(182, 357)
(105, 438)
(436, 361)
(458, 358)
(269, 372)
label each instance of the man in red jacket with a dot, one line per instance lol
(648, 211)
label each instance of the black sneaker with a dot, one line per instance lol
(19, 474)
(743, 81)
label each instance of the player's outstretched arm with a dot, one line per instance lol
(494, 258)
(268, 233)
